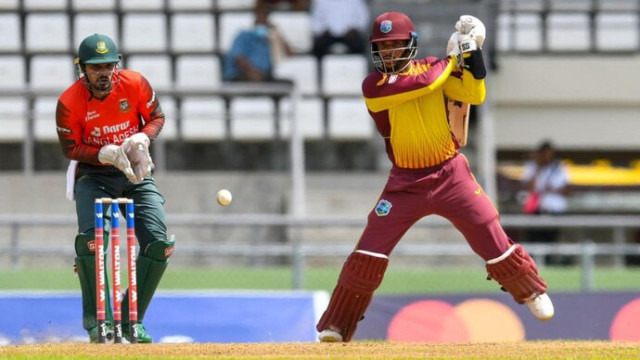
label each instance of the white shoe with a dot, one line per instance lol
(329, 335)
(541, 307)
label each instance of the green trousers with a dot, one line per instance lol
(150, 217)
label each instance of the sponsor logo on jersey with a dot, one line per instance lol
(110, 129)
(63, 129)
(96, 132)
(124, 105)
(383, 208)
(91, 115)
(385, 26)
(393, 78)
(153, 99)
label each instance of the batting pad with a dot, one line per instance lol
(361, 275)
(516, 271)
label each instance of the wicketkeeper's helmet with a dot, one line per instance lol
(98, 49)
(393, 26)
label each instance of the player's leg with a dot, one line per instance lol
(87, 190)
(473, 213)
(361, 275)
(363, 271)
(155, 251)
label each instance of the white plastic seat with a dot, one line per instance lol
(144, 32)
(10, 30)
(236, 4)
(231, 24)
(44, 127)
(252, 118)
(47, 32)
(617, 32)
(155, 68)
(295, 27)
(13, 119)
(619, 5)
(528, 32)
(570, 5)
(9, 4)
(12, 72)
(343, 74)
(349, 120)
(504, 23)
(568, 32)
(198, 72)
(310, 118)
(86, 24)
(193, 32)
(153, 5)
(52, 72)
(203, 118)
(303, 70)
(45, 4)
(93, 5)
(169, 108)
(528, 5)
(190, 4)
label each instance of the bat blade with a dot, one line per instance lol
(459, 120)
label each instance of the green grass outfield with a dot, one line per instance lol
(397, 280)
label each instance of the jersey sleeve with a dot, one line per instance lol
(465, 87)
(150, 110)
(382, 91)
(69, 129)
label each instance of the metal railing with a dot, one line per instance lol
(586, 249)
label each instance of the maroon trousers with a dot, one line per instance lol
(449, 190)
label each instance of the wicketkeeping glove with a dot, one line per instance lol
(116, 155)
(137, 152)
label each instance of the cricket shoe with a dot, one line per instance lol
(143, 335)
(541, 307)
(93, 334)
(329, 335)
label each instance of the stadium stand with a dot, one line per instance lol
(179, 45)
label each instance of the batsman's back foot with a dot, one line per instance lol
(541, 307)
(329, 335)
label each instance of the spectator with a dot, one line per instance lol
(546, 178)
(339, 22)
(254, 52)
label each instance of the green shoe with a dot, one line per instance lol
(93, 334)
(143, 335)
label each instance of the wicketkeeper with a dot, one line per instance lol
(406, 99)
(105, 122)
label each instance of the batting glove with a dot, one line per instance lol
(473, 27)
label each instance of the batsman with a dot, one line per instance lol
(105, 122)
(406, 97)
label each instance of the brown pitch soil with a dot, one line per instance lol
(353, 350)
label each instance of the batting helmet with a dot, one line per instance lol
(392, 26)
(98, 49)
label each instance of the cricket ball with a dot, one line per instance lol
(224, 197)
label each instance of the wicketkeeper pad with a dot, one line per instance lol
(516, 271)
(361, 275)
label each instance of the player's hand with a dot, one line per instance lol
(453, 47)
(137, 151)
(115, 155)
(467, 43)
(472, 26)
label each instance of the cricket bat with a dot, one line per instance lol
(458, 113)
